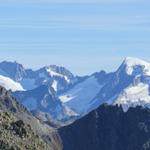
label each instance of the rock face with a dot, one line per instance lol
(44, 103)
(19, 130)
(13, 70)
(109, 128)
(18, 135)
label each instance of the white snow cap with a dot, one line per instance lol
(136, 66)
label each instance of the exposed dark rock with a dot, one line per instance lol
(109, 128)
(19, 128)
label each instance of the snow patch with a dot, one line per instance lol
(70, 112)
(53, 74)
(54, 85)
(9, 84)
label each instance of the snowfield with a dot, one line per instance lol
(81, 95)
(134, 96)
(9, 84)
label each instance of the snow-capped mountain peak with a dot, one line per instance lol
(135, 66)
(54, 73)
(59, 78)
(57, 71)
(130, 85)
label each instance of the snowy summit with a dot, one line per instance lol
(136, 66)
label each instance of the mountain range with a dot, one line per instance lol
(52, 109)
(54, 93)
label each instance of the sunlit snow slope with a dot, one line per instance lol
(9, 84)
(81, 95)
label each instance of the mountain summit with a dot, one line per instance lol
(135, 66)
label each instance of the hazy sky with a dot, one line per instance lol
(83, 35)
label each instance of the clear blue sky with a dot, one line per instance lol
(83, 35)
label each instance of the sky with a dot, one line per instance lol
(84, 36)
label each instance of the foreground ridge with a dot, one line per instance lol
(109, 128)
(19, 130)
